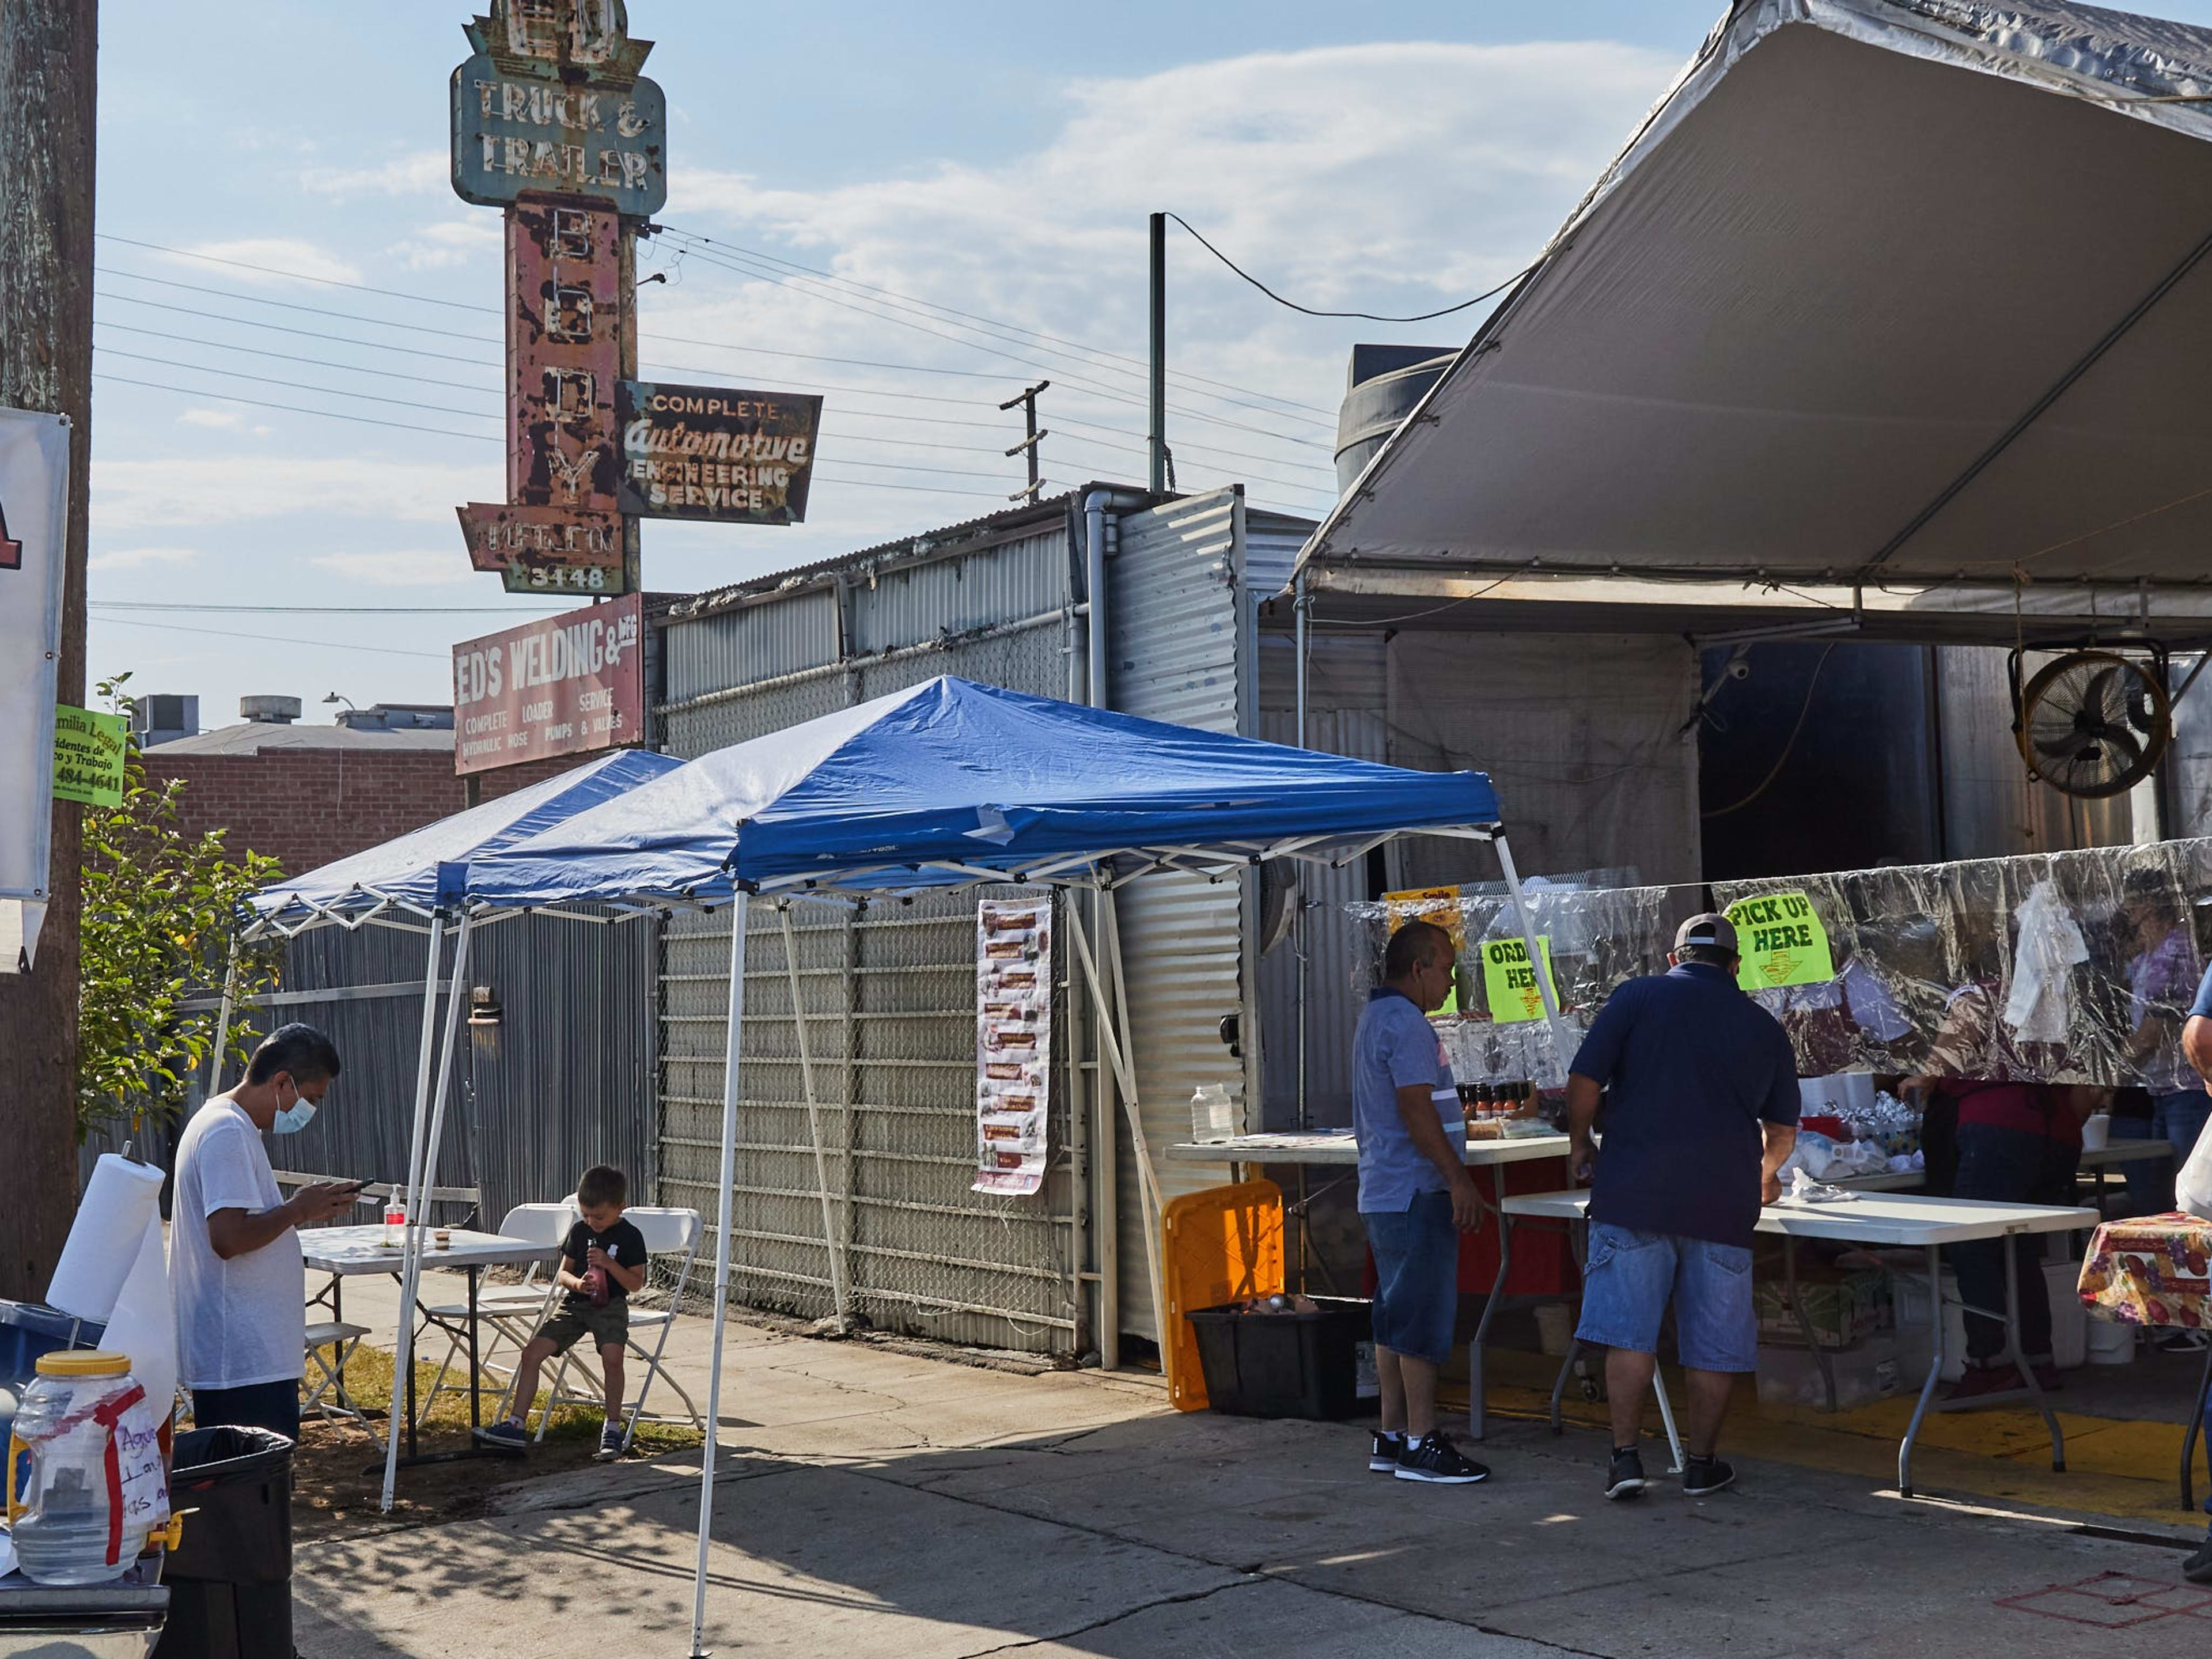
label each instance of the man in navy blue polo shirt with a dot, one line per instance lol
(1415, 1199)
(1699, 1087)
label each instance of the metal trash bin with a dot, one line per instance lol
(230, 1576)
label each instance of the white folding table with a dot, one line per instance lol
(1884, 1220)
(346, 1252)
(2094, 1160)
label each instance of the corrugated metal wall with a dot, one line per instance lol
(1179, 630)
(889, 990)
(563, 1082)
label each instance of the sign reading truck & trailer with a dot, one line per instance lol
(563, 685)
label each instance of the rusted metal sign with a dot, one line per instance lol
(563, 685)
(545, 549)
(563, 355)
(734, 457)
(552, 103)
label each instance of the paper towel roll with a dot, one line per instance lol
(144, 1322)
(106, 1237)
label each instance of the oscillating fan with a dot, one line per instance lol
(2093, 723)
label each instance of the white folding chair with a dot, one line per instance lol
(342, 1338)
(667, 1233)
(509, 1313)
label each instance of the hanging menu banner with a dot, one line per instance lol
(1782, 942)
(1014, 1043)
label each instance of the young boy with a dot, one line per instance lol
(602, 1263)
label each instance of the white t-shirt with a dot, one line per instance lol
(243, 1320)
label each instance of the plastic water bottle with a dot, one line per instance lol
(58, 1497)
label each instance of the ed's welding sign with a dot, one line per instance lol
(562, 685)
(734, 457)
(1508, 985)
(1782, 940)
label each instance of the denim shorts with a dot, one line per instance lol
(1416, 1277)
(1632, 1275)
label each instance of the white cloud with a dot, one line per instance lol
(1392, 178)
(139, 558)
(221, 419)
(410, 567)
(267, 260)
(418, 173)
(475, 239)
(201, 490)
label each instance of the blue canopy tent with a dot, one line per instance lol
(418, 881)
(953, 784)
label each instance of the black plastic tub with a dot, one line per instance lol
(1262, 1363)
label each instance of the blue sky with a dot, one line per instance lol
(974, 177)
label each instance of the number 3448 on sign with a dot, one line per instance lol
(595, 579)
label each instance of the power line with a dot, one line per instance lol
(309, 609)
(954, 311)
(294, 276)
(320, 645)
(280, 328)
(298, 385)
(293, 357)
(1310, 312)
(1117, 394)
(288, 305)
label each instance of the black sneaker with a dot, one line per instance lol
(2179, 1339)
(2197, 1569)
(1436, 1460)
(1703, 1476)
(1625, 1477)
(509, 1435)
(1388, 1448)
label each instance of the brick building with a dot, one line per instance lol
(307, 794)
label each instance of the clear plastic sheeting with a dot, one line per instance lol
(1596, 935)
(2063, 968)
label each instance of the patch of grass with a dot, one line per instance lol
(369, 1382)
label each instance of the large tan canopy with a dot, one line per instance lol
(1897, 305)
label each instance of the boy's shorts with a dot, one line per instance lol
(607, 1326)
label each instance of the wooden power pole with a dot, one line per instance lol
(48, 53)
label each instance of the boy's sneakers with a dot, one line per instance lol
(1703, 1476)
(1625, 1478)
(1435, 1460)
(610, 1443)
(509, 1435)
(1382, 1459)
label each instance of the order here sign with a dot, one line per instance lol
(562, 685)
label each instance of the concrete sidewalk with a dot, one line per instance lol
(875, 1501)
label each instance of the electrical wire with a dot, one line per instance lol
(293, 357)
(181, 606)
(234, 634)
(1790, 744)
(1308, 311)
(994, 323)
(294, 276)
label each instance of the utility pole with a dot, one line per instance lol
(48, 50)
(1158, 442)
(1029, 445)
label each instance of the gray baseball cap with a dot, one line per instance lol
(1713, 932)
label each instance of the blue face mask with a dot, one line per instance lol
(295, 1117)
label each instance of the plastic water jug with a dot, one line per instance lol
(62, 1501)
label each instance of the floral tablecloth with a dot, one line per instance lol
(2153, 1270)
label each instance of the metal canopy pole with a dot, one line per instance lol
(223, 1021)
(1559, 1045)
(839, 1296)
(733, 1054)
(1116, 1049)
(410, 1273)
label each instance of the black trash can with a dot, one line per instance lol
(1261, 1362)
(230, 1578)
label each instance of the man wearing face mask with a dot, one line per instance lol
(242, 1286)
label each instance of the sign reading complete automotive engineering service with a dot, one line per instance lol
(565, 685)
(697, 451)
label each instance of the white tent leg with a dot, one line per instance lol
(831, 1240)
(1560, 1045)
(410, 1270)
(223, 1021)
(1116, 1049)
(733, 1055)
